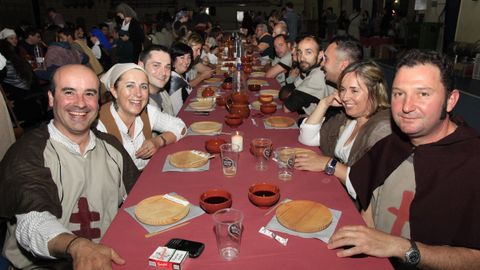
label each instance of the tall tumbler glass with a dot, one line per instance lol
(262, 149)
(228, 232)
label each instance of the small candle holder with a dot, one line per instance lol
(237, 139)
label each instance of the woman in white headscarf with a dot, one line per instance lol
(131, 120)
(9, 35)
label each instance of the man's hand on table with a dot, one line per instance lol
(88, 255)
(364, 240)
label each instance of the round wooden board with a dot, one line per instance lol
(280, 121)
(304, 216)
(212, 80)
(255, 81)
(271, 92)
(187, 159)
(157, 210)
(201, 105)
(257, 74)
(206, 127)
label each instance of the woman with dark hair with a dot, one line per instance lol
(180, 88)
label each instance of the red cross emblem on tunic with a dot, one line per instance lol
(402, 212)
(84, 217)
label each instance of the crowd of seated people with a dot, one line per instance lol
(105, 98)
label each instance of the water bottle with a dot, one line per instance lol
(237, 76)
(37, 51)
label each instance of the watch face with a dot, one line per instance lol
(329, 170)
(413, 256)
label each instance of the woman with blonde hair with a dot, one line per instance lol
(131, 120)
(346, 134)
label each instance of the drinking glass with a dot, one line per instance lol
(285, 158)
(228, 232)
(262, 149)
(229, 153)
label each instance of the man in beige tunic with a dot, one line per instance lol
(61, 184)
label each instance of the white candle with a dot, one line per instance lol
(237, 139)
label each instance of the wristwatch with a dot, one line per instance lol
(412, 256)
(330, 167)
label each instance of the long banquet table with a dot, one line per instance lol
(127, 237)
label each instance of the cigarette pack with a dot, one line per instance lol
(167, 258)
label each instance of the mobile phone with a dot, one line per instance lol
(193, 248)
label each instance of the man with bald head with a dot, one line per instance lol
(62, 183)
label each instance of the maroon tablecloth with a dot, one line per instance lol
(127, 237)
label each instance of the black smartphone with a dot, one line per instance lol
(193, 248)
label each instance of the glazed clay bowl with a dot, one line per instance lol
(215, 199)
(239, 98)
(227, 86)
(247, 68)
(233, 120)
(213, 145)
(263, 195)
(221, 101)
(254, 87)
(265, 99)
(268, 108)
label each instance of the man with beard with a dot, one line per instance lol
(158, 65)
(282, 63)
(309, 86)
(419, 189)
(62, 183)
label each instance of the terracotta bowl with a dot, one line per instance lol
(208, 92)
(213, 145)
(268, 108)
(265, 99)
(254, 87)
(221, 101)
(233, 120)
(227, 86)
(215, 199)
(263, 195)
(247, 68)
(239, 98)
